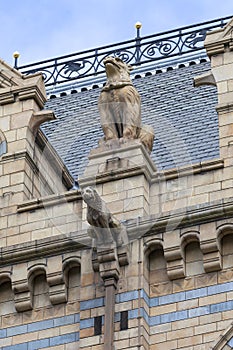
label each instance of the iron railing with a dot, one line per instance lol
(138, 51)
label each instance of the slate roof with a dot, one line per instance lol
(183, 117)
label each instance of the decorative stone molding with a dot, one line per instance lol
(57, 288)
(21, 288)
(205, 79)
(175, 262)
(211, 255)
(117, 162)
(220, 40)
(15, 85)
(23, 299)
(223, 230)
(56, 281)
(39, 118)
(188, 237)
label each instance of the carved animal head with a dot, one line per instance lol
(91, 197)
(116, 69)
(88, 194)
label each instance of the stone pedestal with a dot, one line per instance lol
(121, 173)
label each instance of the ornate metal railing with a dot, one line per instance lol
(138, 51)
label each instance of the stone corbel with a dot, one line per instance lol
(57, 288)
(204, 79)
(21, 288)
(6, 97)
(22, 295)
(122, 257)
(211, 255)
(108, 263)
(175, 262)
(39, 118)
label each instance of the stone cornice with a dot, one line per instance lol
(8, 157)
(136, 228)
(153, 176)
(192, 169)
(194, 215)
(44, 247)
(31, 87)
(116, 175)
(54, 199)
(224, 108)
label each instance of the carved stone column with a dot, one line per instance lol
(109, 271)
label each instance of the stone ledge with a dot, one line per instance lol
(193, 169)
(51, 200)
(198, 214)
(44, 247)
(114, 175)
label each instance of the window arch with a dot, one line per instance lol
(72, 277)
(192, 253)
(227, 250)
(7, 304)
(225, 241)
(157, 266)
(193, 259)
(39, 287)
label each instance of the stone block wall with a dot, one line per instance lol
(172, 284)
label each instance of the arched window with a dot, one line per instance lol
(227, 251)
(157, 266)
(72, 277)
(7, 305)
(74, 283)
(40, 290)
(193, 259)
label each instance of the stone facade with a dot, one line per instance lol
(170, 287)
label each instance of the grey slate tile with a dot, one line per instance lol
(183, 117)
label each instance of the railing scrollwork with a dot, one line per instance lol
(138, 51)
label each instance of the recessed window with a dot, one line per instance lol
(97, 325)
(124, 320)
(193, 259)
(157, 266)
(227, 251)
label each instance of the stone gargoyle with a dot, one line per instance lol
(106, 229)
(120, 106)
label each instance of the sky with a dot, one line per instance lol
(43, 29)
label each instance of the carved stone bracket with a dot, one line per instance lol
(175, 262)
(211, 255)
(22, 295)
(57, 288)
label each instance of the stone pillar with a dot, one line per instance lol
(121, 173)
(109, 271)
(110, 289)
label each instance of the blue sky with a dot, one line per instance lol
(41, 29)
